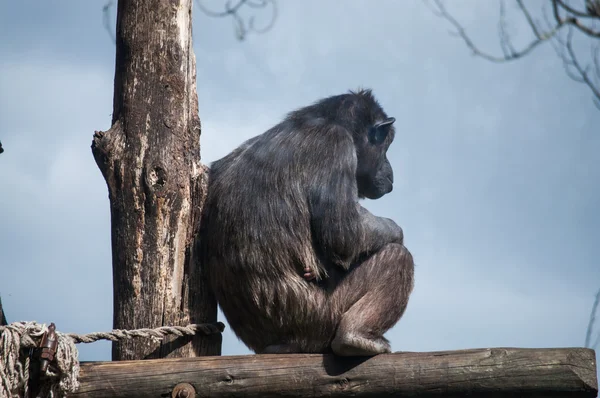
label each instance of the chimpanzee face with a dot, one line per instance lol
(374, 174)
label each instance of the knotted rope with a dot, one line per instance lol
(61, 376)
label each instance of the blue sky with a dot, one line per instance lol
(496, 165)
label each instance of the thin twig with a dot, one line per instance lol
(106, 19)
(505, 42)
(573, 18)
(582, 14)
(588, 334)
(442, 12)
(530, 20)
(582, 72)
(233, 10)
(241, 27)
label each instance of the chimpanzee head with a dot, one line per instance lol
(373, 132)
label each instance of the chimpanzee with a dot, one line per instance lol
(295, 262)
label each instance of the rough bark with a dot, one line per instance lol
(496, 372)
(150, 159)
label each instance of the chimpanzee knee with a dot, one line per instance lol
(376, 295)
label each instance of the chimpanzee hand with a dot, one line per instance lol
(379, 230)
(395, 231)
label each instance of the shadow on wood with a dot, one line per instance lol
(495, 372)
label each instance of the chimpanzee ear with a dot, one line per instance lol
(379, 131)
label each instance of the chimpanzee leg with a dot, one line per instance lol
(372, 298)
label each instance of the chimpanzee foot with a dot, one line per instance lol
(281, 349)
(351, 344)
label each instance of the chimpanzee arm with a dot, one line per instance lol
(342, 229)
(336, 224)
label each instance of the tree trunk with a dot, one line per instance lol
(150, 159)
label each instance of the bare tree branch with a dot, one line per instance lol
(106, 19)
(443, 13)
(505, 42)
(530, 20)
(583, 72)
(564, 17)
(581, 14)
(241, 27)
(588, 334)
(570, 20)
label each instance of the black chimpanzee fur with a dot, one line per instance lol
(286, 202)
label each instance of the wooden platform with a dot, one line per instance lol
(494, 372)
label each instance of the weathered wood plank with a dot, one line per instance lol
(495, 372)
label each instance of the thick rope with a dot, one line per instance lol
(156, 334)
(17, 340)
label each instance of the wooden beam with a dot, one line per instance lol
(495, 372)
